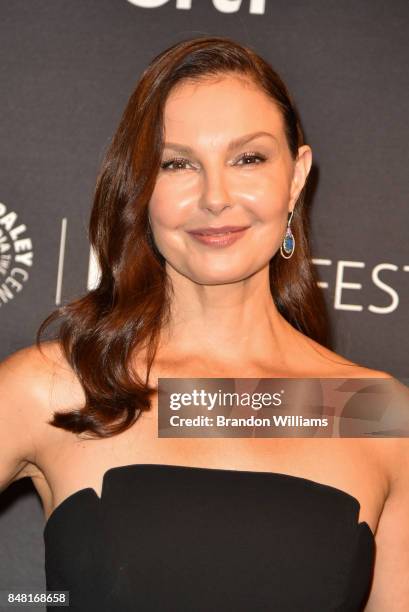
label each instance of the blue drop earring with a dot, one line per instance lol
(288, 244)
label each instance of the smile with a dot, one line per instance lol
(219, 240)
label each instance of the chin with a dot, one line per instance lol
(213, 278)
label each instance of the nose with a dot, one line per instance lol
(215, 196)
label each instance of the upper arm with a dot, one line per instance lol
(21, 400)
(390, 588)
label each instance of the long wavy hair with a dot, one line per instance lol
(126, 311)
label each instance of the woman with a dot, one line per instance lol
(210, 138)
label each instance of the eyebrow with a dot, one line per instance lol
(236, 142)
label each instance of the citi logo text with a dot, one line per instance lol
(256, 7)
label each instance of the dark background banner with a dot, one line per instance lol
(67, 70)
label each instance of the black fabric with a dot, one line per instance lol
(189, 539)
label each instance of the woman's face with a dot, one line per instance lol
(210, 179)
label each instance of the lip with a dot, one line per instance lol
(219, 240)
(223, 229)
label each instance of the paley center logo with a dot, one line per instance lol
(256, 7)
(16, 255)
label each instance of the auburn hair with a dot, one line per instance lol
(100, 331)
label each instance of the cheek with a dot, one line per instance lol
(169, 211)
(172, 201)
(265, 195)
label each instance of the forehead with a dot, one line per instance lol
(220, 108)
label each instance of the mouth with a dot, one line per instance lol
(218, 231)
(219, 238)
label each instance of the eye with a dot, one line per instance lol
(252, 156)
(179, 163)
(166, 165)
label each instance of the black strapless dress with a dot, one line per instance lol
(169, 538)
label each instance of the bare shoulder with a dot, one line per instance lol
(32, 372)
(22, 381)
(329, 363)
(390, 585)
(33, 384)
(22, 392)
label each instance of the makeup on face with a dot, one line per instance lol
(220, 201)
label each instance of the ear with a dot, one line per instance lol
(302, 167)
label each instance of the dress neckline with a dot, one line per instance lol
(171, 467)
